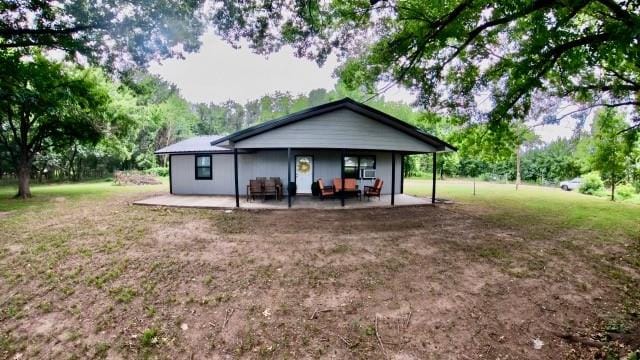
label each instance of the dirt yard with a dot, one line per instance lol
(111, 280)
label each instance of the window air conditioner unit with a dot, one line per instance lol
(368, 173)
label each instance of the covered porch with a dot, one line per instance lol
(300, 202)
(334, 166)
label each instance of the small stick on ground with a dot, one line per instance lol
(406, 323)
(315, 313)
(227, 316)
(347, 342)
(572, 338)
(384, 353)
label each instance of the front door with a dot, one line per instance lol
(304, 174)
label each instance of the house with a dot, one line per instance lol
(341, 139)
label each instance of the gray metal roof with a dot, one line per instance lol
(346, 103)
(196, 144)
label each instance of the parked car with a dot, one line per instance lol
(571, 184)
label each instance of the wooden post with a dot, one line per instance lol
(342, 176)
(170, 180)
(393, 178)
(433, 185)
(235, 174)
(402, 174)
(289, 176)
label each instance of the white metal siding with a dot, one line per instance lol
(268, 163)
(335, 130)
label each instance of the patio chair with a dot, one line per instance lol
(270, 189)
(337, 184)
(374, 190)
(254, 189)
(278, 186)
(325, 191)
(350, 187)
(350, 184)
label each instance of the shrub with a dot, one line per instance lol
(625, 191)
(158, 171)
(591, 184)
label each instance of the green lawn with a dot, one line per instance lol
(47, 193)
(537, 204)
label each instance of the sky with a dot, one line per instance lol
(218, 72)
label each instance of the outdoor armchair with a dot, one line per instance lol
(374, 190)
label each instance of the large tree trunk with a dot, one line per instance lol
(24, 177)
(518, 178)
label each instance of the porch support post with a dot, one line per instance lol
(342, 176)
(170, 179)
(402, 174)
(289, 176)
(433, 185)
(393, 178)
(235, 175)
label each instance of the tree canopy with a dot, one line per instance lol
(47, 105)
(108, 32)
(452, 52)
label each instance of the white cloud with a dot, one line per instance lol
(218, 72)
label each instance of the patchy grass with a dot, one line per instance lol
(149, 338)
(57, 193)
(93, 276)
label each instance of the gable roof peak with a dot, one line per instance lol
(344, 103)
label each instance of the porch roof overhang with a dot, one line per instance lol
(438, 145)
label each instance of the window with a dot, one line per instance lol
(353, 165)
(203, 167)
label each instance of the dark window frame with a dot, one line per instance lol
(210, 167)
(358, 157)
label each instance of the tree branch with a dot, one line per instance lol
(14, 130)
(549, 60)
(631, 128)
(620, 13)
(11, 32)
(615, 105)
(622, 77)
(473, 34)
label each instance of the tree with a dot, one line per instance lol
(451, 52)
(175, 120)
(478, 145)
(46, 104)
(110, 32)
(555, 161)
(610, 148)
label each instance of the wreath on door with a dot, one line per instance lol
(304, 166)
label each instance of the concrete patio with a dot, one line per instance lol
(298, 202)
